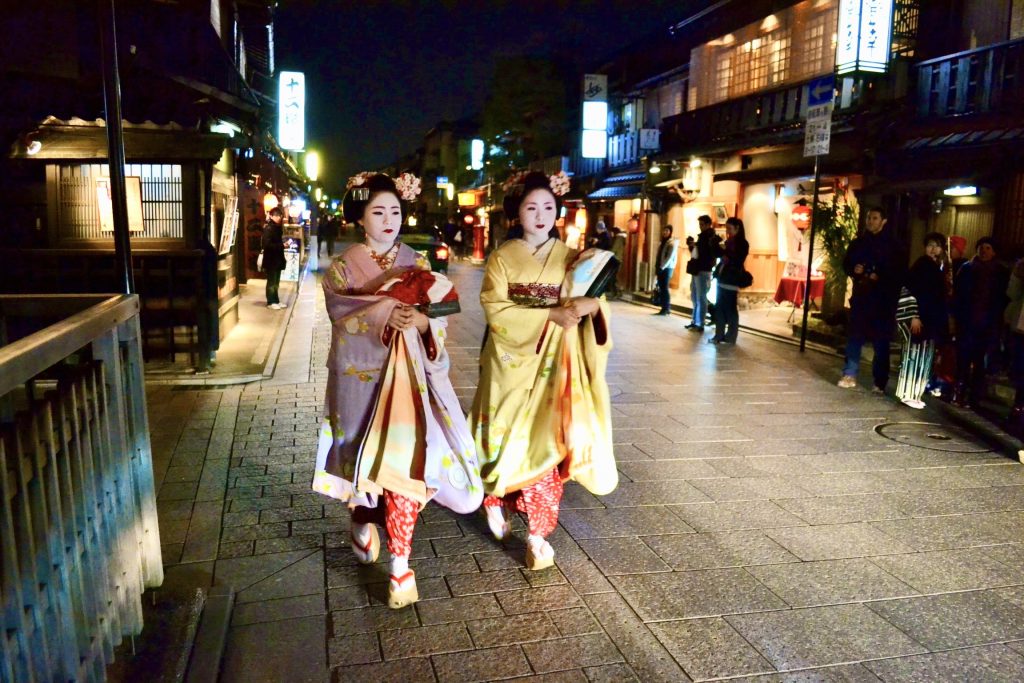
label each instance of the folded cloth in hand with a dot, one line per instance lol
(590, 274)
(432, 293)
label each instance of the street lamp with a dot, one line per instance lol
(312, 165)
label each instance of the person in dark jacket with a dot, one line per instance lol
(876, 264)
(601, 239)
(730, 273)
(707, 243)
(979, 300)
(926, 324)
(328, 233)
(273, 255)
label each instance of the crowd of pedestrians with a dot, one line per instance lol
(958, 319)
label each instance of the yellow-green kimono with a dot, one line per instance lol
(542, 400)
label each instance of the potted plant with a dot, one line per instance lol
(835, 223)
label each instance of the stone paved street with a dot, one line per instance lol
(761, 526)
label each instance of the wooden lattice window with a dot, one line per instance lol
(79, 210)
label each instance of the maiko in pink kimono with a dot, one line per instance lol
(394, 435)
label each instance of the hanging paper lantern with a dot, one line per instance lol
(801, 217)
(270, 201)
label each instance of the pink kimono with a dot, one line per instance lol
(392, 420)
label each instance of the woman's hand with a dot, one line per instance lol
(420, 321)
(915, 326)
(584, 305)
(563, 316)
(402, 317)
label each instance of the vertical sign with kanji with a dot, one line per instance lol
(818, 127)
(291, 115)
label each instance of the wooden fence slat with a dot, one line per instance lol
(79, 536)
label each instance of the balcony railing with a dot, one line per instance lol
(623, 149)
(767, 111)
(78, 524)
(979, 81)
(582, 167)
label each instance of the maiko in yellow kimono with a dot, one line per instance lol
(542, 400)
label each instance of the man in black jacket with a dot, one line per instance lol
(876, 263)
(707, 242)
(273, 255)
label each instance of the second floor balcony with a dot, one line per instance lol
(986, 80)
(767, 113)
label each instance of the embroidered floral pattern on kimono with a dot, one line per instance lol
(533, 294)
(427, 453)
(542, 401)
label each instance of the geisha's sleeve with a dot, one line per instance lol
(515, 329)
(358, 314)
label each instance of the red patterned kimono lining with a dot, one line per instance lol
(534, 295)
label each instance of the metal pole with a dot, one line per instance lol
(810, 255)
(115, 143)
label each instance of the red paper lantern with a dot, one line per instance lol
(801, 217)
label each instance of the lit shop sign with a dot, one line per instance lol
(865, 36)
(291, 115)
(476, 154)
(960, 191)
(594, 137)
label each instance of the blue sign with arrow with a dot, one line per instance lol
(821, 90)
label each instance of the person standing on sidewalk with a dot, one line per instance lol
(707, 241)
(876, 263)
(923, 319)
(273, 255)
(542, 413)
(730, 279)
(328, 233)
(979, 303)
(667, 255)
(394, 435)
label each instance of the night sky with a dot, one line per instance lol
(379, 75)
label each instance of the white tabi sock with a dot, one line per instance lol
(399, 565)
(361, 532)
(539, 545)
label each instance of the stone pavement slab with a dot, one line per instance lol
(762, 531)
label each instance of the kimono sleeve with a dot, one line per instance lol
(515, 329)
(357, 313)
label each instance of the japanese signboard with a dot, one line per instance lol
(865, 36)
(291, 115)
(818, 126)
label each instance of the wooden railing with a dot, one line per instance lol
(987, 79)
(623, 149)
(78, 524)
(175, 286)
(771, 110)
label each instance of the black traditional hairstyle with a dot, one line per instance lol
(353, 206)
(514, 198)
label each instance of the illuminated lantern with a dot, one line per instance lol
(633, 224)
(270, 201)
(468, 219)
(580, 221)
(801, 217)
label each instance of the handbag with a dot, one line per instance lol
(692, 267)
(259, 261)
(745, 279)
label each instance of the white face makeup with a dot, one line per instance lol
(537, 215)
(382, 219)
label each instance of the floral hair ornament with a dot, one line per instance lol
(514, 183)
(408, 186)
(559, 183)
(355, 186)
